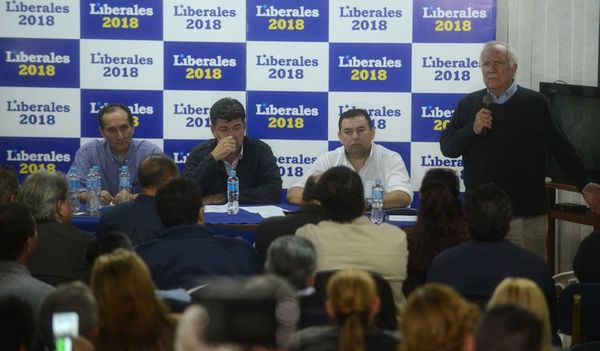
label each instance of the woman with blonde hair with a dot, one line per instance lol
(352, 301)
(525, 293)
(130, 315)
(435, 317)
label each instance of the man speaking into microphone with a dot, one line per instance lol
(503, 133)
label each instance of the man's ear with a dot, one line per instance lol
(201, 216)
(310, 280)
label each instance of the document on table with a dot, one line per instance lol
(263, 211)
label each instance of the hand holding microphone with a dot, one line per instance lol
(483, 118)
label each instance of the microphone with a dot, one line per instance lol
(487, 102)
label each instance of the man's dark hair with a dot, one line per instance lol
(16, 226)
(17, 323)
(341, 193)
(179, 202)
(293, 258)
(104, 243)
(9, 184)
(112, 108)
(156, 170)
(488, 211)
(509, 327)
(355, 112)
(310, 189)
(71, 297)
(227, 109)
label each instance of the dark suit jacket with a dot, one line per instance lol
(274, 227)
(59, 256)
(260, 182)
(138, 219)
(184, 254)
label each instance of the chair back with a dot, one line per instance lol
(590, 346)
(579, 312)
(386, 318)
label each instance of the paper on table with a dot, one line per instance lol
(265, 211)
(403, 218)
(216, 208)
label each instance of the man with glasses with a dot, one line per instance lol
(369, 160)
(209, 163)
(116, 149)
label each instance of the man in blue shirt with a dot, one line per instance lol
(115, 150)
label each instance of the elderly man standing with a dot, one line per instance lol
(503, 133)
(117, 149)
(349, 238)
(371, 161)
(60, 253)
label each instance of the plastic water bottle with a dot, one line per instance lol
(98, 183)
(93, 205)
(377, 202)
(124, 183)
(73, 188)
(233, 193)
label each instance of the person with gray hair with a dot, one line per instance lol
(294, 259)
(60, 253)
(71, 297)
(504, 133)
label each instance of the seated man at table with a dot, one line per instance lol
(118, 148)
(209, 163)
(139, 218)
(371, 161)
(349, 239)
(187, 251)
(272, 228)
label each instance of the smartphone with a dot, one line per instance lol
(65, 326)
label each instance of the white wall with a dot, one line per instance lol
(555, 40)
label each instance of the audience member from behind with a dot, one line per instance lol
(275, 227)
(187, 250)
(139, 219)
(476, 267)
(17, 324)
(131, 317)
(509, 327)
(586, 263)
(435, 317)
(106, 243)
(18, 237)
(9, 184)
(191, 330)
(349, 238)
(294, 259)
(440, 224)
(525, 293)
(72, 297)
(353, 302)
(60, 253)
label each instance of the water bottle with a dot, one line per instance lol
(377, 202)
(233, 193)
(73, 188)
(124, 184)
(98, 183)
(93, 205)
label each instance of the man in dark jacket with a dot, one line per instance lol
(209, 163)
(187, 252)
